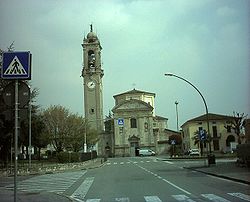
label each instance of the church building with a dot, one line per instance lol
(135, 123)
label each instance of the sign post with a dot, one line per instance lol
(16, 66)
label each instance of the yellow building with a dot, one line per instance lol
(224, 139)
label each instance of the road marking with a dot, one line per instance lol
(152, 199)
(169, 162)
(161, 178)
(125, 199)
(58, 182)
(93, 200)
(213, 197)
(240, 195)
(83, 189)
(183, 198)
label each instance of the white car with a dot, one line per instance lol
(146, 152)
(194, 152)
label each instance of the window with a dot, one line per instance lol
(215, 131)
(92, 111)
(146, 127)
(133, 123)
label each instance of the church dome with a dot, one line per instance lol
(91, 35)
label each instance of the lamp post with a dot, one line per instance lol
(177, 118)
(208, 130)
(85, 133)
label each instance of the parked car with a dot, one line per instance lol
(146, 152)
(194, 152)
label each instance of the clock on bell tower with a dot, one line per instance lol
(92, 74)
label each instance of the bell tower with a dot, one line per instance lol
(92, 74)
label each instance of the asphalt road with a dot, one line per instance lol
(147, 179)
(136, 179)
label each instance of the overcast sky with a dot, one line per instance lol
(205, 41)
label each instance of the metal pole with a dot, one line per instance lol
(85, 138)
(208, 130)
(30, 133)
(177, 119)
(16, 139)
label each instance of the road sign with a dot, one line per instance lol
(120, 122)
(173, 142)
(16, 65)
(23, 94)
(202, 135)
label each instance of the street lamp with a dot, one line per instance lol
(208, 131)
(177, 119)
(85, 132)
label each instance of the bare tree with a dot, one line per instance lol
(237, 123)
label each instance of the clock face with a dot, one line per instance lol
(91, 84)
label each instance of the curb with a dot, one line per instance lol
(220, 176)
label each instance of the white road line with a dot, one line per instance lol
(182, 198)
(152, 199)
(240, 195)
(177, 187)
(125, 199)
(83, 189)
(93, 200)
(169, 162)
(213, 197)
(172, 184)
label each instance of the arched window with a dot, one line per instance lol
(133, 123)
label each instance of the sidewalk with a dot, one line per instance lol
(8, 195)
(226, 170)
(53, 168)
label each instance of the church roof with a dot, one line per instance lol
(132, 105)
(134, 91)
(160, 118)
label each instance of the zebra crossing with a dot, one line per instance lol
(184, 198)
(130, 162)
(57, 183)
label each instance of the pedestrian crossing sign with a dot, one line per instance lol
(16, 65)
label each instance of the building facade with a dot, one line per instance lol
(224, 139)
(92, 74)
(135, 123)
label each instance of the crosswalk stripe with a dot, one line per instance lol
(241, 196)
(183, 198)
(179, 197)
(152, 199)
(125, 199)
(83, 189)
(58, 182)
(213, 197)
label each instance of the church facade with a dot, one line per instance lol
(135, 123)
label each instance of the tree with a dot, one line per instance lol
(198, 141)
(75, 132)
(236, 123)
(55, 121)
(66, 130)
